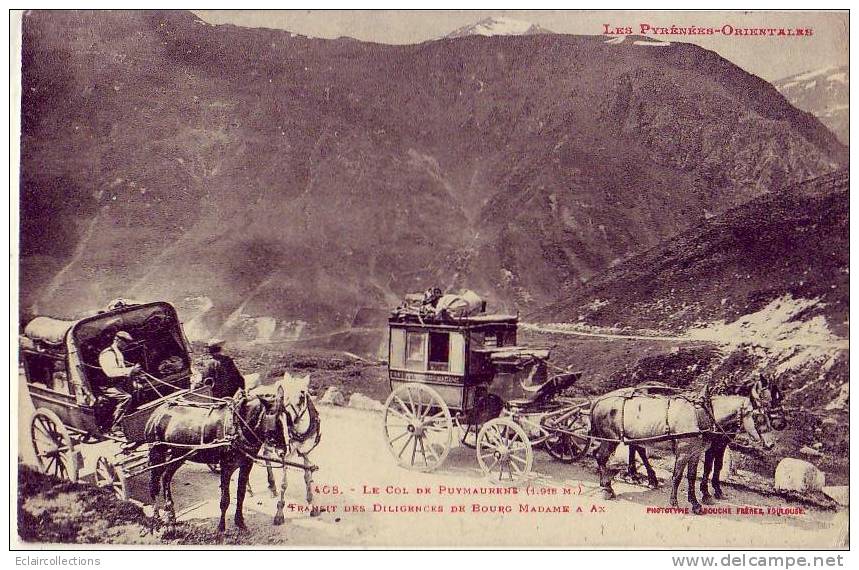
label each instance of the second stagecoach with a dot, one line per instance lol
(456, 369)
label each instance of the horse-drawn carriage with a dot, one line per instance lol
(168, 422)
(453, 366)
(60, 362)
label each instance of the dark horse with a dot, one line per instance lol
(676, 423)
(228, 433)
(764, 394)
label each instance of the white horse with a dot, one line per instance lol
(302, 435)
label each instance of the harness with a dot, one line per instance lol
(312, 429)
(704, 403)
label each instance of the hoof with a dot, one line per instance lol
(708, 500)
(242, 526)
(697, 509)
(314, 512)
(718, 494)
(278, 519)
(608, 494)
(653, 483)
(221, 529)
(673, 503)
(273, 494)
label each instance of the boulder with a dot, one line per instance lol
(838, 493)
(333, 396)
(362, 402)
(798, 475)
(729, 465)
(810, 451)
(620, 456)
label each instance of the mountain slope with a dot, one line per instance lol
(272, 184)
(825, 93)
(788, 247)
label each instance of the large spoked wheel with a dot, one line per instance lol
(563, 445)
(417, 427)
(54, 448)
(504, 451)
(110, 476)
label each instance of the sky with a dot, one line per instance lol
(771, 58)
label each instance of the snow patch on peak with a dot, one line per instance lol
(498, 26)
(501, 26)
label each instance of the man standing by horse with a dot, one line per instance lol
(220, 371)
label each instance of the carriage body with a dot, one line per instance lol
(453, 357)
(467, 373)
(59, 361)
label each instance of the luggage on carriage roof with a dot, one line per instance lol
(433, 304)
(48, 330)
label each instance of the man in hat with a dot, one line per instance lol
(219, 370)
(118, 372)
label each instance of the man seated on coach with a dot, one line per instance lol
(119, 374)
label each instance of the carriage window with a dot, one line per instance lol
(491, 339)
(439, 351)
(49, 372)
(398, 348)
(416, 351)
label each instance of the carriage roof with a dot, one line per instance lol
(52, 334)
(465, 322)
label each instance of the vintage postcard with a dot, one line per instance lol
(403, 279)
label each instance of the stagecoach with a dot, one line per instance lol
(454, 368)
(59, 360)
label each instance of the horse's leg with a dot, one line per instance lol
(631, 470)
(718, 458)
(679, 464)
(156, 457)
(308, 485)
(706, 498)
(652, 481)
(602, 454)
(227, 467)
(691, 474)
(278, 515)
(272, 486)
(167, 482)
(241, 488)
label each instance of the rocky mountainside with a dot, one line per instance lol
(792, 242)
(762, 288)
(498, 26)
(272, 185)
(825, 93)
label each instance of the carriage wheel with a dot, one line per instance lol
(568, 447)
(110, 476)
(504, 451)
(417, 427)
(54, 448)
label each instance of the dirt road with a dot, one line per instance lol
(353, 461)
